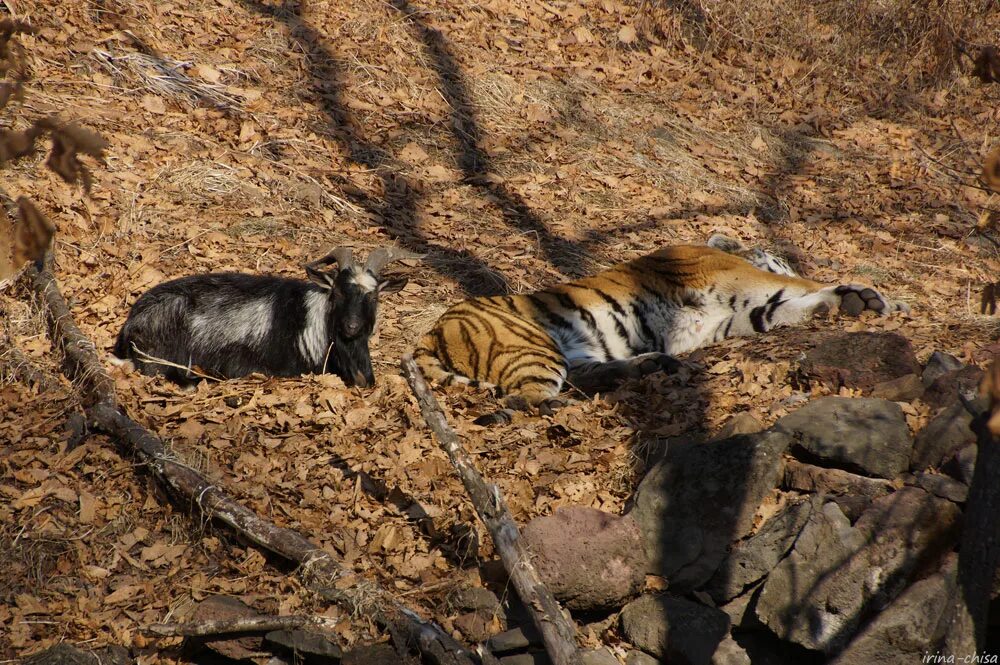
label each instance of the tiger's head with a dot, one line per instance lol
(755, 256)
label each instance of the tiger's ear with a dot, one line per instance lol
(725, 243)
(323, 280)
(392, 284)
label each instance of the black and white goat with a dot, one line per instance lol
(232, 324)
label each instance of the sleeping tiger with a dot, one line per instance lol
(625, 322)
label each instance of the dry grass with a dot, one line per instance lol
(902, 44)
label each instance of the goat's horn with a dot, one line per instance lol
(383, 256)
(342, 256)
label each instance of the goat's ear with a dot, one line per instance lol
(322, 279)
(392, 284)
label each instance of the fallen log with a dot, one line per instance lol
(192, 491)
(558, 632)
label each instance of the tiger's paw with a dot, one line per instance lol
(855, 299)
(650, 363)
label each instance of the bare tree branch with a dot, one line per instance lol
(558, 632)
(241, 625)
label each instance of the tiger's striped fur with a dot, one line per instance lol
(627, 321)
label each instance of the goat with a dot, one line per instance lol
(232, 324)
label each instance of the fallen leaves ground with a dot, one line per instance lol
(516, 144)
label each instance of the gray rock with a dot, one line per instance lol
(305, 643)
(220, 608)
(908, 628)
(939, 363)
(837, 576)
(598, 657)
(740, 423)
(901, 389)
(533, 658)
(820, 480)
(943, 486)
(692, 505)
(962, 464)
(751, 559)
(858, 433)
(943, 434)
(514, 639)
(674, 629)
(474, 599)
(730, 653)
(944, 390)
(587, 558)
(637, 657)
(741, 610)
(859, 360)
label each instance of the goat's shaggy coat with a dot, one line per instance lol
(230, 324)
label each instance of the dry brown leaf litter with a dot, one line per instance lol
(523, 143)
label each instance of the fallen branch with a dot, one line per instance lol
(318, 570)
(979, 551)
(558, 632)
(241, 625)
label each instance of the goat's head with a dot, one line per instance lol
(353, 292)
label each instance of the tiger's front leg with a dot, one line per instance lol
(596, 377)
(851, 299)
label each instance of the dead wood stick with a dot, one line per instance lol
(558, 632)
(318, 570)
(241, 625)
(979, 550)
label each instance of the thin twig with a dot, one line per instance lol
(558, 631)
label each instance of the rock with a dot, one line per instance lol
(903, 389)
(674, 629)
(219, 608)
(730, 653)
(533, 658)
(766, 649)
(514, 639)
(751, 559)
(741, 423)
(962, 464)
(600, 656)
(304, 643)
(943, 391)
(699, 499)
(861, 433)
(939, 363)
(852, 505)
(637, 657)
(942, 486)
(837, 576)
(476, 626)
(946, 432)
(376, 654)
(741, 610)
(907, 629)
(811, 478)
(859, 360)
(587, 558)
(474, 599)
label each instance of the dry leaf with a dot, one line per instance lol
(627, 34)
(154, 104)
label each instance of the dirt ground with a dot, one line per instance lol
(516, 144)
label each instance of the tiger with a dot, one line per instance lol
(626, 322)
